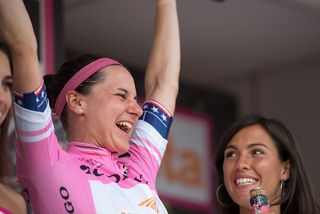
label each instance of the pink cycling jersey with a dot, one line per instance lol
(4, 211)
(85, 178)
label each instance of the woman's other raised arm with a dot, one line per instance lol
(162, 76)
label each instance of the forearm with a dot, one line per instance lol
(17, 32)
(27, 76)
(163, 68)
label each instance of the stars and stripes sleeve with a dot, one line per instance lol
(157, 116)
(37, 142)
(34, 101)
(149, 141)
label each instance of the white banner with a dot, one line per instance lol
(185, 176)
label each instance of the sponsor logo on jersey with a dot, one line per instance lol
(151, 203)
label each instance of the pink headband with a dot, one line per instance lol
(79, 78)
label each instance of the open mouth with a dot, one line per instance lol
(125, 126)
(245, 181)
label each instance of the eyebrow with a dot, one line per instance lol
(249, 146)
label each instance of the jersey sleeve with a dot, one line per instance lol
(37, 145)
(149, 140)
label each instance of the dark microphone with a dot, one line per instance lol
(259, 201)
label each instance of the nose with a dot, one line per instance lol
(134, 108)
(243, 163)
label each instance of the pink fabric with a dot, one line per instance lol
(257, 209)
(4, 211)
(87, 179)
(78, 78)
(35, 133)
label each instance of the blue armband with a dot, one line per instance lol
(34, 101)
(157, 117)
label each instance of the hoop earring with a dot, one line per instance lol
(218, 197)
(282, 187)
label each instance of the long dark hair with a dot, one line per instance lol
(5, 165)
(55, 82)
(298, 196)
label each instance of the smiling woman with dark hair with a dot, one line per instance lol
(260, 152)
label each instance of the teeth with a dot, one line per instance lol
(125, 126)
(245, 181)
(124, 123)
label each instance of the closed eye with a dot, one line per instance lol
(122, 96)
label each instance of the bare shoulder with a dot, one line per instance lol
(11, 200)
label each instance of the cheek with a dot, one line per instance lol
(266, 166)
(227, 168)
(8, 100)
(112, 112)
(116, 109)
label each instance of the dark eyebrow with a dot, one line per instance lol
(258, 144)
(249, 146)
(231, 147)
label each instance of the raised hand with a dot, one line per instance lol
(162, 77)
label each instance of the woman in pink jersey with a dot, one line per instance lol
(115, 147)
(10, 200)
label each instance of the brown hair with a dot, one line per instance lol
(5, 165)
(55, 82)
(298, 197)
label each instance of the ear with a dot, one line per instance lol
(75, 102)
(285, 174)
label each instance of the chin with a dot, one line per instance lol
(123, 149)
(242, 201)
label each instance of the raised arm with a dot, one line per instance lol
(16, 30)
(162, 76)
